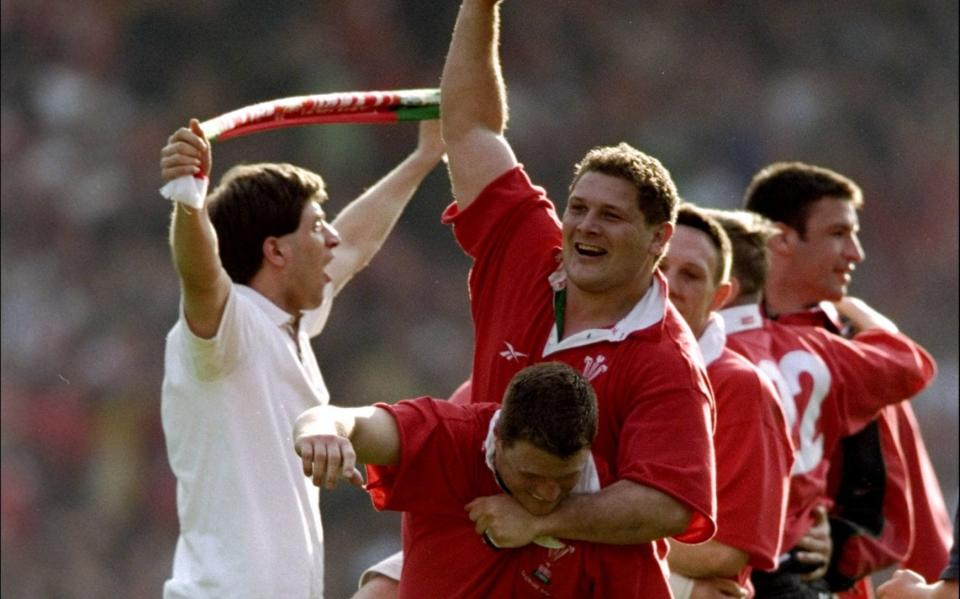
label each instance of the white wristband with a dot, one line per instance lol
(190, 191)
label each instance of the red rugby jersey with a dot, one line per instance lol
(831, 387)
(656, 406)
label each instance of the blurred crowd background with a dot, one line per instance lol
(92, 88)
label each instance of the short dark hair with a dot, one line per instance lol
(256, 201)
(551, 406)
(656, 192)
(749, 233)
(689, 215)
(785, 191)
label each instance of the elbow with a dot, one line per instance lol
(675, 519)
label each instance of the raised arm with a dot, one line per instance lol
(204, 283)
(365, 223)
(473, 104)
(330, 441)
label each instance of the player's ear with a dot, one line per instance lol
(721, 295)
(661, 237)
(275, 251)
(734, 292)
(782, 242)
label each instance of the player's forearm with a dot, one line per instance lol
(710, 559)
(472, 91)
(325, 420)
(204, 283)
(863, 317)
(367, 221)
(625, 513)
(372, 431)
(194, 246)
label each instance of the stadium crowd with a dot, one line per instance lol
(91, 90)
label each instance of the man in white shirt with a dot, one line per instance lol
(259, 266)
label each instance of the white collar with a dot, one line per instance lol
(713, 339)
(275, 313)
(742, 318)
(648, 312)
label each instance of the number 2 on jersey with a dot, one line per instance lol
(786, 375)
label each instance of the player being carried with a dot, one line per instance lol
(430, 458)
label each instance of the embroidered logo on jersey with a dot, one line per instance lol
(540, 577)
(512, 354)
(594, 367)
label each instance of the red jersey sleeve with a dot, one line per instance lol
(754, 457)
(441, 466)
(666, 436)
(500, 212)
(877, 369)
(512, 233)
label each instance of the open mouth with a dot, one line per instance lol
(585, 249)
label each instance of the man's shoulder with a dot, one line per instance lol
(671, 339)
(733, 366)
(733, 375)
(509, 208)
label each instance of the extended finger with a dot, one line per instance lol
(182, 147)
(179, 161)
(176, 134)
(305, 450)
(349, 465)
(333, 470)
(319, 463)
(184, 135)
(197, 130)
(354, 477)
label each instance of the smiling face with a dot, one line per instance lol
(308, 251)
(537, 479)
(821, 262)
(608, 248)
(692, 267)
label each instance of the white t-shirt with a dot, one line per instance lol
(249, 519)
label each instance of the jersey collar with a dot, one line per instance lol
(742, 318)
(648, 312)
(713, 339)
(277, 315)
